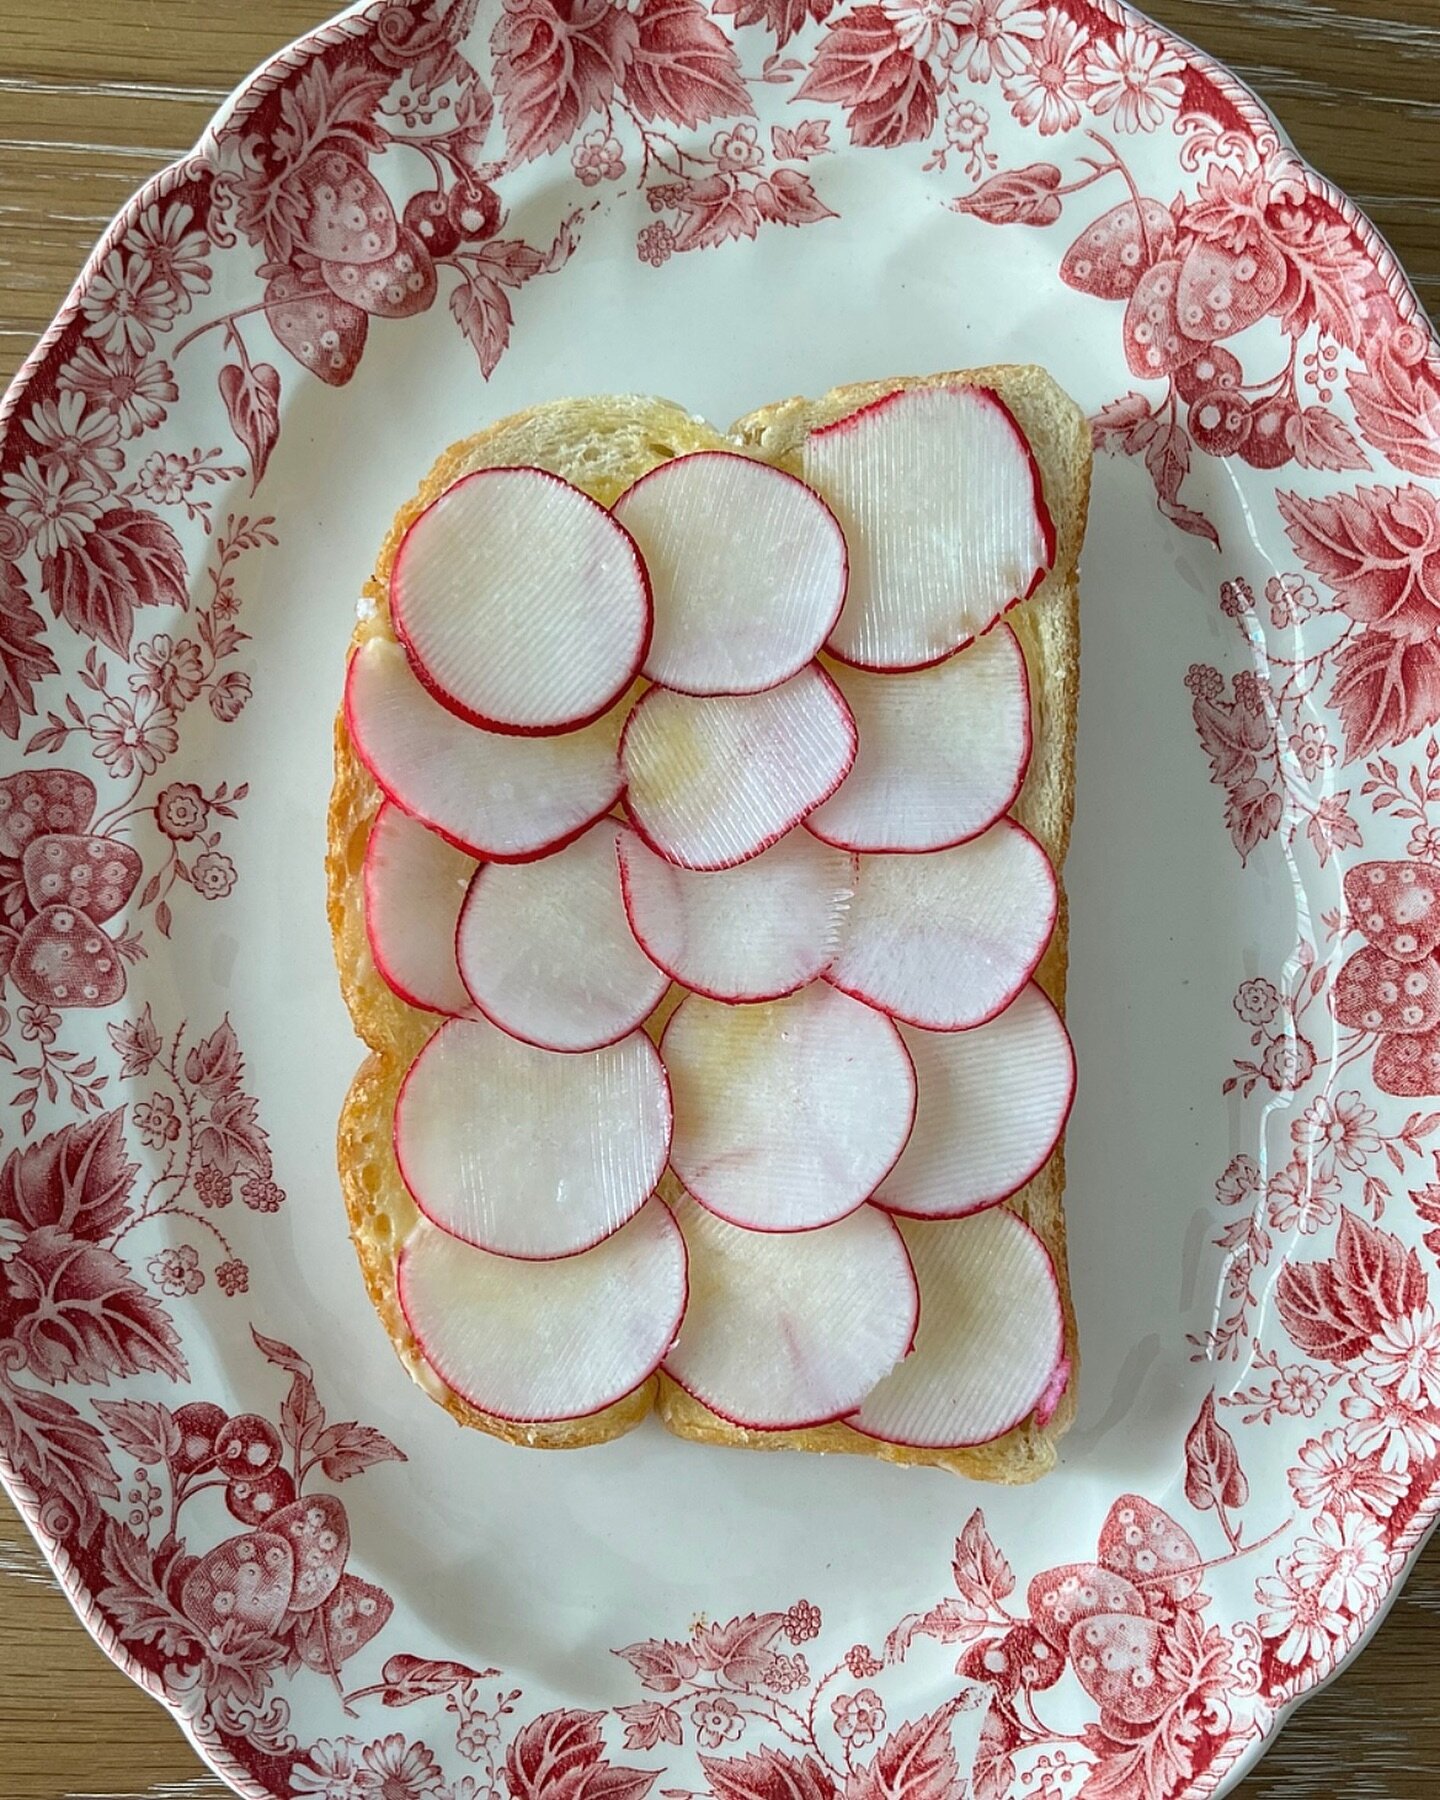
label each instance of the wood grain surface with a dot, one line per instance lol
(96, 95)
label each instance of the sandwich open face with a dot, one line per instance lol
(695, 857)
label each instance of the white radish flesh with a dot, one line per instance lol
(522, 605)
(503, 798)
(781, 1333)
(946, 941)
(531, 1342)
(754, 932)
(992, 1105)
(712, 782)
(940, 499)
(545, 950)
(747, 569)
(527, 1153)
(788, 1115)
(414, 885)
(991, 1344)
(942, 754)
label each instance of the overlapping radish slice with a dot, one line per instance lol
(531, 1342)
(942, 754)
(940, 500)
(991, 1344)
(414, 885)
(522, 605)
(991, 1105)
(788, 1332)
(947, 941)
(754, 932)
(527, 1153)
(713, 781)
(499, 797)
(545, 950)
(747, 567)
(789, 1114)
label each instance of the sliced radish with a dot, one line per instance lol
(545, 950)
(992, 1104)
(790, 1114)
(947, 941)
(754, 932)
(555, 1340)
(786, 1332)
(711, 782)
(526, 1153)
(940, 500)
(991, 1339)
(747, 566)
(414, 888)
(943, 751)
(505, 798)
(522, 605)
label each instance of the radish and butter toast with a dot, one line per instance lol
(726, 863)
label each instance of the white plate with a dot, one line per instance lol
(1238, 1184)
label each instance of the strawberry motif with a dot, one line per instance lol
(65, 959)
(1224, 291)
(344, 1625)
(1141, 1542)
(1116, 1658)
(1397, 906)
(318, 1534)
(246, 1580)
(95, 875)
(32, 804)
(1376, 993)
(1109, 257)
(350, 218)
(1061, 1598)
(1023, 1658)
(325, 334)
(1154, 343)
(1408, 1063)
(393, 287)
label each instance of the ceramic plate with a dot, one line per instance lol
(198, 464)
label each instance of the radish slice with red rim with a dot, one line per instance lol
(942, 754)
(755, 932)
(503, 798)
(782, 1333)
(534, 1342)
(546, 952)
(991, 1346)
(789, 1114)
(522, 605)
(941, 502)
(747, 568)
(946, 941)
(711, 782)
(414, 885)
(991, 1106)
(527, 1153)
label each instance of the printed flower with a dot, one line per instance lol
(331, 1771)
(1384, 1425)
(1288, 1063)
(1297, 1616)
(738, 149)
(136, 389)
(125, 304)
(168, 672)
(1136, 79)
(1237, 598)
(176, 249)
(38, 1024)
(966, 124)
(229, 695)
(127, 738)
(157, 1121)
(1298, 1390)
(51, 504)
(1405, 1355)
(1291, 600)
(717, 1722)
(1302, 1197)
(1239, 1182)
(861, 1664)
(165, 478)
(598, 157)
(86, 442)
(1333, 1478)
(1257, 1001)
(233, 1276)
(12, 1238)
(1425, 843)
(1049, 84)
(859, 1718)
(181, 811)
(1345, 1560)
(177, 1270)
(213, 1186)
(1337, 1131)
(1204, 682)
(928, 29)
(1312, 749)
(655, 244)
(475, 1735)
(135, 1041)
(212, 875)
(995, 35)
(802, 1622)
(400, 1771)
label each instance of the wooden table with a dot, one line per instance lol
(99, 94)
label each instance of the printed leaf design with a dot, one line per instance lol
(1397, 404)
(662, 1666)
(128, 560)
(48, 1447)
(556, 63)
(134, 1594)
(1125, 425)
(648, 1723)
(137, 1043)
(349, 1449)
(683, 67)
(889, 96)
(1321, 440)
(215, 1066)
(252, 400)
(1213, 1476)
(798, 143)
(1328, 276)
(981, 1572)
(302, 1417)
(406, 1679)
(333, 101)
(788, 198)
(232, 1138)
(1332, 1308)
(916, 1763)
(281, 1355)
(561, 1756)
(1378, 548)
(77, 1315)
(716, 208)
(24, 658)
(767, 1775)
(1015, 197)
(78, 1179)
(783, 17)
(1386, 691)
(143, 1429)
(739, 1650)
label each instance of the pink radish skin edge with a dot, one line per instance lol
(469, 716)
(382, 967)
(695, 456)
(818, 1224)
(557, 1418)
(1020, 986)
(479, 851)
(1026, 753)
(714, 868)
(512, 1255)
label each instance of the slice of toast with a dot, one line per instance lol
(602, 445)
